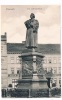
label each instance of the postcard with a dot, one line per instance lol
(30, 51)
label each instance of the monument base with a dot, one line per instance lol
(30, 93)
(32, 88)
(33, 82)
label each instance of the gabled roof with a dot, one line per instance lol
(42, 48)
(15, 47)
(49, 48)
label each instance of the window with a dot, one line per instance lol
(49, 60)
(2, 60)
(45, 60)
(12, 59)
(54, 60)
(59, 70)
(18, 70)
(12, 70)
(59, 60)
(54, 70)
(14, 83)
(49, 69)
(18, 60)
(54, 83)
(60, 82)
(1, 48)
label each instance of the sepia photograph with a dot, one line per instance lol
(30, 51)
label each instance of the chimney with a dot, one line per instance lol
(4, 37)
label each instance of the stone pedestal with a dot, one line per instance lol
(33, 77)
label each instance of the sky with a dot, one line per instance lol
(13, 18)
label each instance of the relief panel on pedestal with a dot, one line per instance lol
(40, 70)
(27, 69)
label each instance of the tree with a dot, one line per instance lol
(10, 85)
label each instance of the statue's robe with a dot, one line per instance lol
(31, 34)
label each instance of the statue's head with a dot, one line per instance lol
(32, 16)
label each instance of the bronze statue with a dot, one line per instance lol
(32, 30)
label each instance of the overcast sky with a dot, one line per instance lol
(13, 18)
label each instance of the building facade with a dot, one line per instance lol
(11, 64)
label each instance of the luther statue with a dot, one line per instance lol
(32, 26)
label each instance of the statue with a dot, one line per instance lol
(32, 30)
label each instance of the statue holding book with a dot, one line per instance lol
(32, 26)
